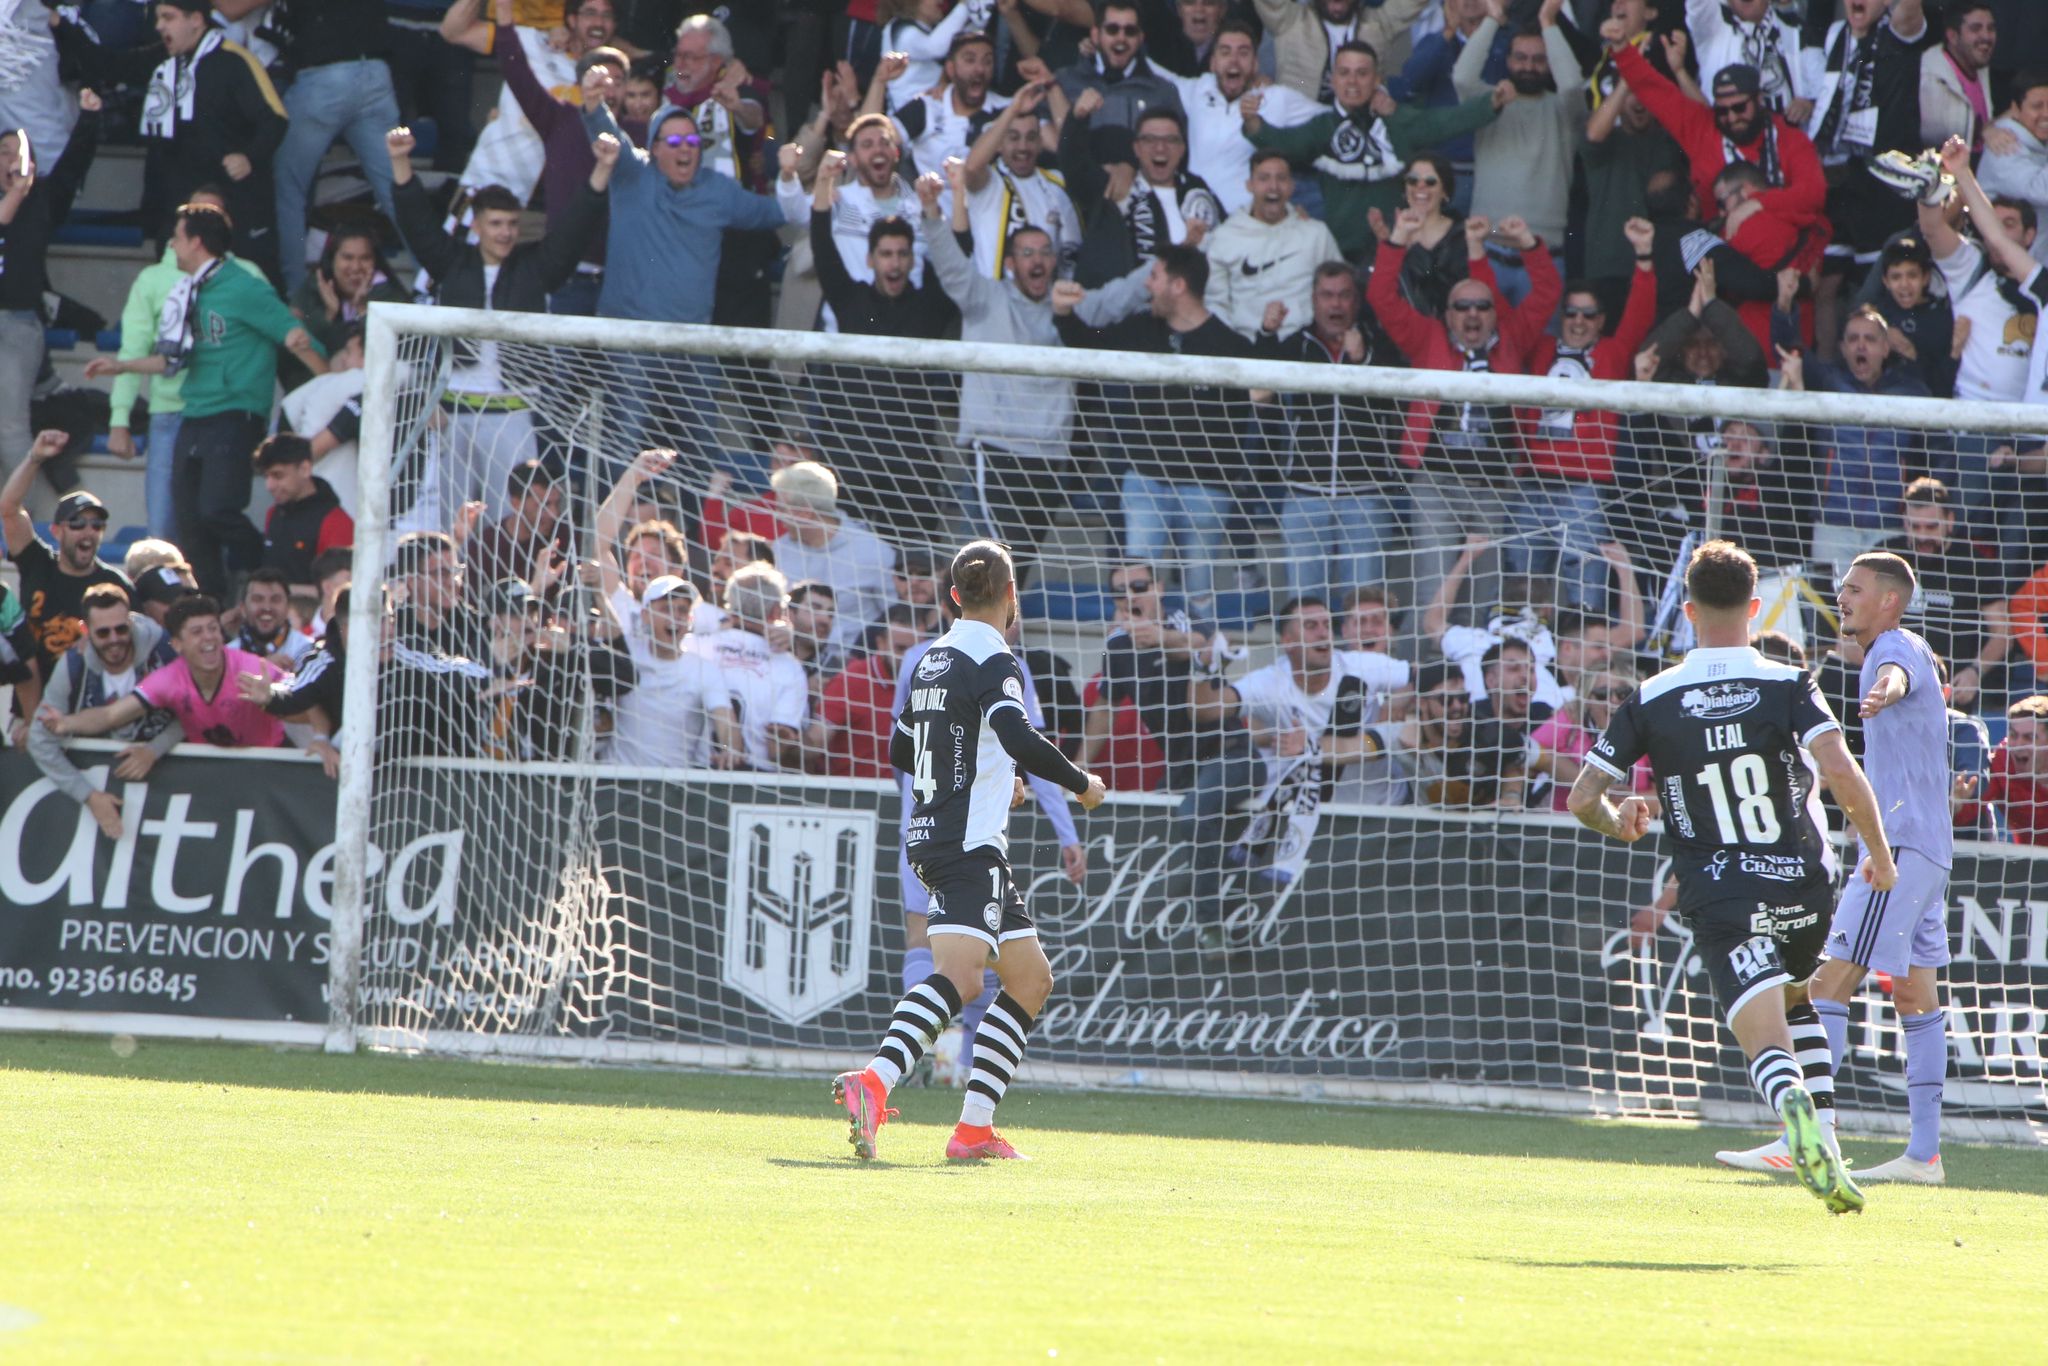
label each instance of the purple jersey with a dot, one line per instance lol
(1905, 749)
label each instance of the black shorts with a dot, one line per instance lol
(974, 893)
(1752, 946)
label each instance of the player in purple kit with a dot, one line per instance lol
(1902, 932)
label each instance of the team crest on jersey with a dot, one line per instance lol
(798, 907)
(1718, 701)
(1013, 690)
(1718, 864)
(933, 665)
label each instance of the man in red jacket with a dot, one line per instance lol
(1462, 456)
(1736, 128)
(1559, 510)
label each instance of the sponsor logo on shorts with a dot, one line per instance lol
(992, 916)
(1753, 958)
(1718, 701)
(1718, 864)
(1778, 920)
(933, 665)
(1774, 867)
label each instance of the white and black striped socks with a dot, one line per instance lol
(998, 1049)
(920, 1017)
(1810, 1048)
(1775, 1072)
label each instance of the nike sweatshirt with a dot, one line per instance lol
(1253, 263)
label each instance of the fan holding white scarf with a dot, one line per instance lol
(1359, 147)
(1864, 72)
(1751, 33)
(216, 116)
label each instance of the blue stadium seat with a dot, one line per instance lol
(90, 234)
(1237, 611)
(59, 338)
(1064, 600)
(115, 548)
(426, 137)
(1061, 600)
(108, 340)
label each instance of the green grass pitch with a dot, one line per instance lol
(196, 1202)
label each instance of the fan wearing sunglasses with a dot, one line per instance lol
(120, 648)
(1571, 451)
(1455, 450)
(1735, 127)
(54, 579)
(670, 213)
(1126, 83)
(1560, 744)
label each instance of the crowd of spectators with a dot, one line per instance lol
(1841, 196)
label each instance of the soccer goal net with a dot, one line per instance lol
(1338, 634)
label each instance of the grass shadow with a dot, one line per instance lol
(1203, 1118)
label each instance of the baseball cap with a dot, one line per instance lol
(162, 585)
(1738, 78)
(514, 595)
(73, 503)
(668, 586)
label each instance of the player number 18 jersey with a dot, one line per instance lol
(1723, 731)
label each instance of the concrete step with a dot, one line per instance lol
(114, 181)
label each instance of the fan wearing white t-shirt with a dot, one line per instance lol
(1006, 190)
(1308, 711)
(874, 191)
(1218, 150)
(678, 714)
(942, 124)
(771, 697)
(1997, 291)
(651, 548)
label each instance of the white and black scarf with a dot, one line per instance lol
(1360, 149)
(172, 88)
(1474, 425)
(1854, 63)
(1767, 159)
(1150, 221)
(1760, 49)
(1571, 362)
(175, 331)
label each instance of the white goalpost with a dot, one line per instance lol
(542, 852)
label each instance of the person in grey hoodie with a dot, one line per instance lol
(119, 650)
(1525, 157)
(1016, 427)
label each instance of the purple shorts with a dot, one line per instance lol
(1891, 932)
